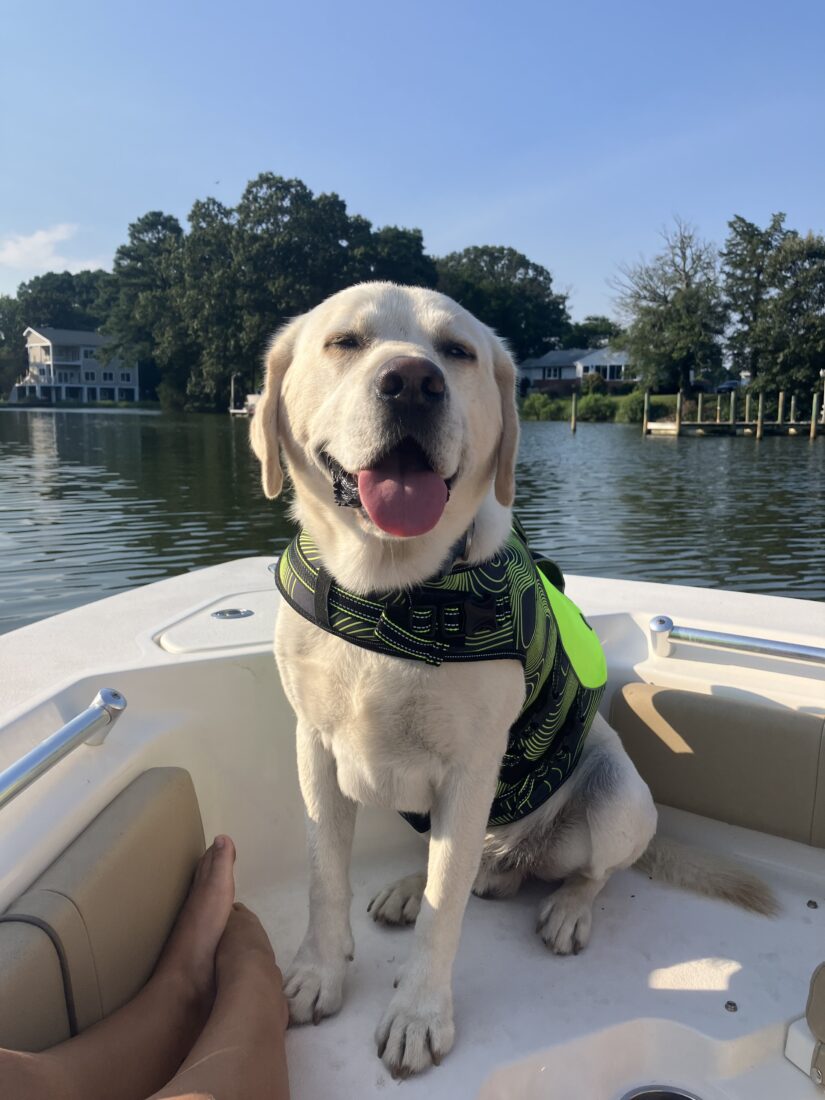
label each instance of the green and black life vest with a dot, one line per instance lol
(512, 606)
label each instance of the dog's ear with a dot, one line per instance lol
(505, 375)
(263, 432)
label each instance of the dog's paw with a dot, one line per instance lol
(314, 987)
(400, 902)
(565, 919)
(415, 1032)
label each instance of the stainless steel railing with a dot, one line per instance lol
(663, 632)
(90, 727)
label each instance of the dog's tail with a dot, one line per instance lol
(706, 873)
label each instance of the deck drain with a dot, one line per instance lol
(232, 613)
(658, 1092)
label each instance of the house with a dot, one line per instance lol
(63, 366)
(562, 371)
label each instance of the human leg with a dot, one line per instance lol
(142, 1044)
(240, 1052)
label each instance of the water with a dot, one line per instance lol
(94, 503)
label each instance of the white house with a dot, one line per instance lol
(562, 371)
(63, 366)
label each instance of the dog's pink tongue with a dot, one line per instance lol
(402, 495)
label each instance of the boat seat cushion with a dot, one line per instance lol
(739, 761)
(86, 935)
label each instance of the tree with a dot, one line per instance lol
(674, 309)
(509, 292)
(142, 304)
(12, 345)
(53, 300)
(745, 261)
(790, 333)
(398, 255)
(63, 300)
(595, 331)
(207, 299)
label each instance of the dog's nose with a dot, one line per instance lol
(410, 380)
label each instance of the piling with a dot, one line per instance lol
(732, 408)
(793, 409)
(718, 409)
(760, 416)
(814, 411)
(678, 412)
(747, 408)
(699, 408)
(646, 412)
(781, 410)
(573, 414)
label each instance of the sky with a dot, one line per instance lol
(573, 132)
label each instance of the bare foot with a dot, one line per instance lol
(245, 958)
(189, 954)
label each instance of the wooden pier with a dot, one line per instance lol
(726, 422)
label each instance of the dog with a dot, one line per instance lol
(398, 402)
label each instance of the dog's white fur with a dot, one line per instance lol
(404, 735)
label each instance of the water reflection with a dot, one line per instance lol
(94, 503)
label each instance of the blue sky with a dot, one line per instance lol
(572, 132)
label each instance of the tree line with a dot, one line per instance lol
(194, 305)
(757, 305)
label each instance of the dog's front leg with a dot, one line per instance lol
(417, 1028)
(314, 984)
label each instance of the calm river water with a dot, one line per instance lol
(92, 503)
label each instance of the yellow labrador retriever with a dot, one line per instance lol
(400, 399)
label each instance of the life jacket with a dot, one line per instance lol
(509, 607)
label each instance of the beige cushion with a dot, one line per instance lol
(735, 760)
(29, 964)
(109, 901)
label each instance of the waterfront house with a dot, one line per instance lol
(561, 372)
(63, 365)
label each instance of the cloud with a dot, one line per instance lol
(28, 254)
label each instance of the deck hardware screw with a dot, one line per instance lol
(817, 1075)
(813, 904)
(731, 1006)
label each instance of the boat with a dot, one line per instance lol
(719, 697)
(249, 402)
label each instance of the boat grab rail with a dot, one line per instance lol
(90, 727)
(663, 632)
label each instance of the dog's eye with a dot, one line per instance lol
(456, 351)
(348, 341)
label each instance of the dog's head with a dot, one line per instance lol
(395, 403)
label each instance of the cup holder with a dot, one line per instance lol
(658, 1092)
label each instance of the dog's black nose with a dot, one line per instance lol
(410, 380)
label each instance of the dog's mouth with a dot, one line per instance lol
(401, 492)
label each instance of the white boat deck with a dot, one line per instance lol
(660, 968)
(645, 1003)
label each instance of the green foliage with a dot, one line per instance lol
(197, 307)
(63, 300)
(675, 312)
(596, 406)
(790, 333)
(508, 292)
(53, 300)
(746, 259)
(593, 383)
(631, 408)
(540, 406)
(593, 332)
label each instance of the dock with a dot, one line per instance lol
(730, 424)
